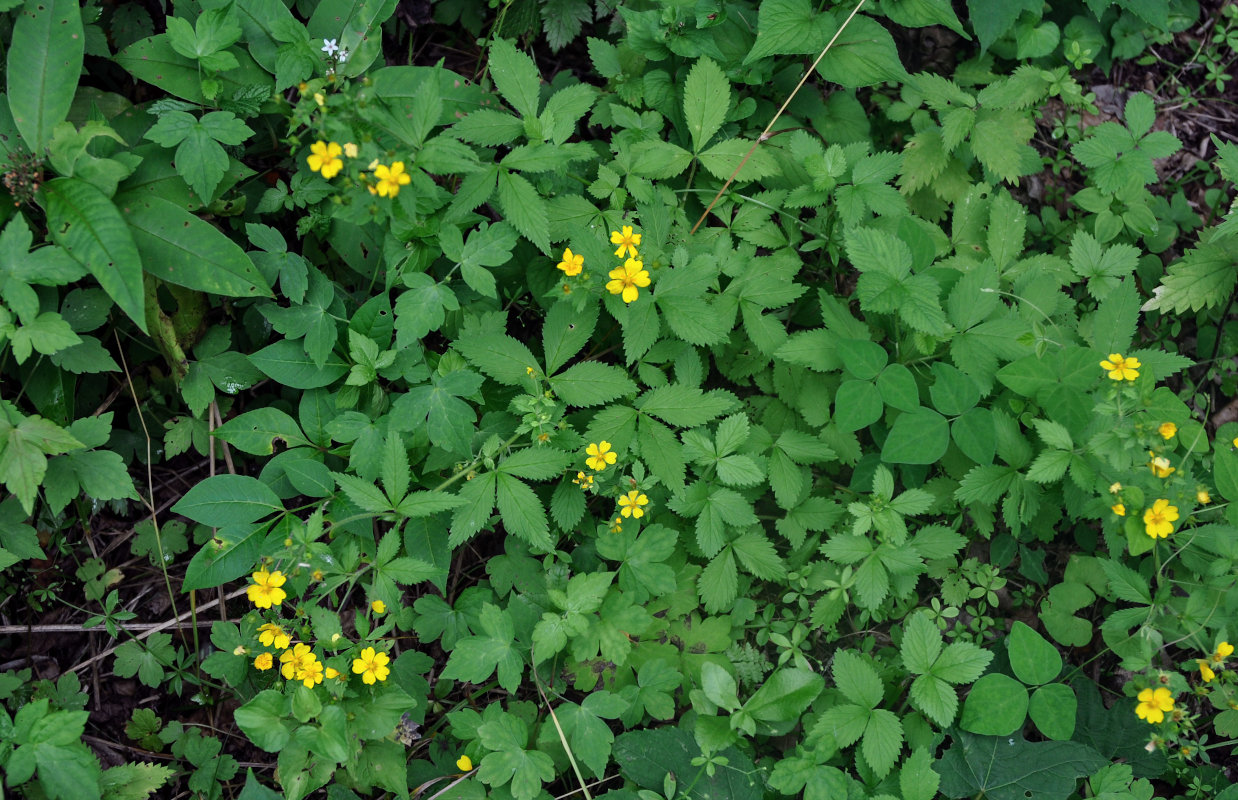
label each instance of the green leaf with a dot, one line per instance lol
(524, 208)
(46, 48)
(864, 54)
(1033, 659)
(684, 406)
(922, 643)
(87, 225)
(516, 77)
(996, 705)
(287, 363)
(1009, 768)
(590, 383)
(856, 679)
(857, 404)
(706, 98)
(991, 20)
(536, 463)
(136, 781)
(999, 139)
(785, 695)
(952, 391)
(232, 553)
(1053, 708)
(883, 740)
(790, 27)
(499, 356)
(916, 779)
(181, 248)
(523, 513)
(1204, 277)
(566, 331)
(228, 500)
(256, 431)
(917, 437)
(264, 719)
(476, 658)
(863, 359)
(647, 756)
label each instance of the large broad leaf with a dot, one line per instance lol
(287, 362)
(863, 54)
(180, 248)
(233, 552)
(646, 757)
(918, 437)
(228, 500)
(90, 227)
(1009, 768)
(45, 59)
(153, 60)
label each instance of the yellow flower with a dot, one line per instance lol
(378, 607)
(627, 241)
(600, 455)
(293, 660)
(1121, 369)
(1160, 467)
(625, 279)
(1153, 704)
(316, 575)
(371, 666)
(572, 263)
(1224, 650)
(1167, 430)
(464, 764)
(311, 672)
(1205, 670)
(273, 635)
(319, 99)
(264, 661)
(350, 150)
(332, 672)
(325, 158)
(630, 504)
(1203, 497)
(1114, 488)
(615, 526)
(583, 480)
(390, 179)
(1159, 519)
(264, 592)
(1118, 509)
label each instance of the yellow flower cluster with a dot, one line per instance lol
(301, 664)
(1121, 369)
(389, 179)
(627, 280)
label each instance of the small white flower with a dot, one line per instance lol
(343, 55)
(330, 47)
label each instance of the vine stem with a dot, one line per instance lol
(765, 133)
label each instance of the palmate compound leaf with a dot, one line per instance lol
(1010, 768)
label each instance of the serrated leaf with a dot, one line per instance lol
(590, 383)
(706, 97)
(515, 76)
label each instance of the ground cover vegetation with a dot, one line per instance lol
(561, 398)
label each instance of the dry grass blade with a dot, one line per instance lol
(765, 133)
